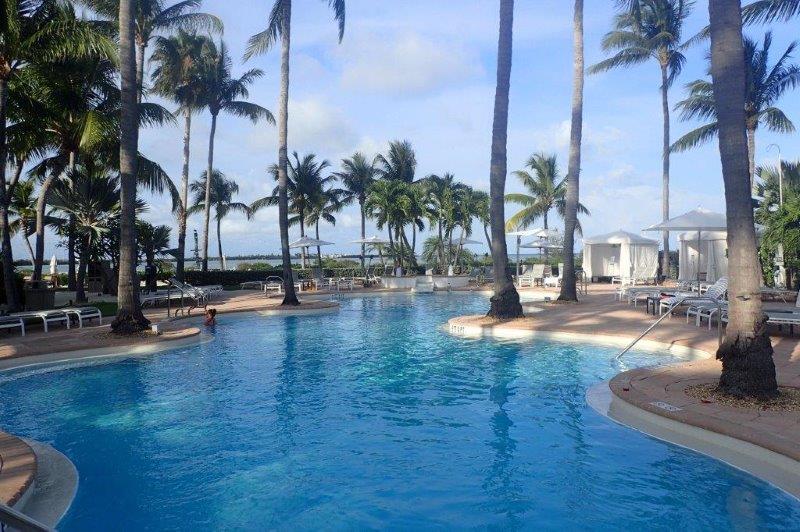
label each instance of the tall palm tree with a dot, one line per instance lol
(441, 195)
(389, 204)
(569, 291)
(221, 92)
(129, 310)
(746, 351)
(180, 60)
(222, 192)
(481, 203)
(152, 240)
(23, 207)
(765, 86)
(651, 29)
(357, 175)
(400, 162)
(505, 301)
(32, 32)
(279, 24)
(546, 191)
(327, 204)
(304, 186)
(153, 16)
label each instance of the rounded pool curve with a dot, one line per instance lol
(372, 417)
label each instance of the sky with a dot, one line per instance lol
(425, 72)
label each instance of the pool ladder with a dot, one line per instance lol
(687, 299)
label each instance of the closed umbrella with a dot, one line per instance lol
(54, 266)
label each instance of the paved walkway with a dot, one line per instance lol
(660, 389)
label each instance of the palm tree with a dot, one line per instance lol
(33, 32)
(152, 240)
(568, 289)
(328, 202)
(357, 175)
(651, 29)
(441, 193)
(505, 301)
(546, 191)
(388, 203)
(765, 86)
(279, 24)
(762, 11)
(481, 203)
(91, 196)
(220, 93)
(400, 162)
(129, 311)
(23, 206)
(305, 185)
(153, 16)
(222, 192)
(746, 351)
(179, 61)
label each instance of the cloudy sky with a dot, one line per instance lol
(424, 71)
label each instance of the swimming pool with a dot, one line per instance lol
(371, 417)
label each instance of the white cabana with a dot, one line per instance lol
(706, 258)
(620, 254)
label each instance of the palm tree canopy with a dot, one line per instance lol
(264, 40)
(762, 11)
(179, 61)
(304, 185)
(648, 29)
(546, 190)
(357, 175)
(765, 86)
(399, 164)
(223, 191)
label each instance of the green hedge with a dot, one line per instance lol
(236, 277)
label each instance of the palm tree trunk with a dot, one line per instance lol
(9, 284)
(665, 167)
(129, 314)
(219, 241)
(290, 297)
(361, 200)
(140, 50)
(80, 282)
(303, 250)
(41, 205)
(546, 251)
(569, 291)
(187, 135)
(26, 238)
(486, 234)
(746, 352)
(505, 301)
(751, 156)
(319, 252)
(71, 280)
(391, 240)
(207, 200)
(441, 244)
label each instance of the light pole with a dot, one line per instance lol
(779, 258)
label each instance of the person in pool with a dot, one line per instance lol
(211, 317)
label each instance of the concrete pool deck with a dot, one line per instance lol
(661, 390)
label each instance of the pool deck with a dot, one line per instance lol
(661, 390)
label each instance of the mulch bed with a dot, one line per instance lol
(787, 401)
(108, 335)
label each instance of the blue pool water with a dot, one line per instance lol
(370, 418)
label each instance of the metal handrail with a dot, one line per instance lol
(9, 517)
(681, 301)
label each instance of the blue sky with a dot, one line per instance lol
(424, 71)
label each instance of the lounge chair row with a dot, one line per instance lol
(48, 317)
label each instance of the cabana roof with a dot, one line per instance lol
(619, 237)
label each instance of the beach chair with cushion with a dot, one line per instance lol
(12, 322)
(716, 291)
(46, 316)
(555, 280)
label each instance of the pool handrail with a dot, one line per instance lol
(9, 517)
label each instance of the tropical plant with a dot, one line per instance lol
(546, 190)
(153, 16)
(180, 60)
(221, 92)
(279, 24)
(765, 86)
(746, 351)
(304, 186)
(357, 175)
(223, 191)
(152, 240)
(651, 30)
(31, 32)
(571, 195)
(770, 10)
(329, 202)
(399, 163)
(441, 196)
(505, 301)
(129, 317)
(389, 203)
(780, 229)
(23, 207)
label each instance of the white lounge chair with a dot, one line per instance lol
(555, 281)
(47, 317)
(12, 322)
(716, 291)
(84, 314)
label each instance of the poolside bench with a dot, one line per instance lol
(11, 322)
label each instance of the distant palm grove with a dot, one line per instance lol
(78, 80)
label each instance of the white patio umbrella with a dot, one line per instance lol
(697, 220)
(54, 266)
(308, 242)
(537, 232)
(465, 242)
(374, 241)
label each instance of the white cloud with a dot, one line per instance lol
(407, 64)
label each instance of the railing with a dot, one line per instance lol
(11, 519)
(687, 299)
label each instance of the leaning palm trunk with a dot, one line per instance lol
(71, 275)
(187, 135)
(41, 206)
(568, 288)
(290, 297)
(9, 283)
(746, 352)
(665, 152)
(361, 201)
(29, 248)
(129, 314)
(219, 242)
(319, 251)
(207, 200)
(505, 301)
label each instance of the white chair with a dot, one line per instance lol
(85, 314)
(555, 281)
(12, 322)
(716, 291)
